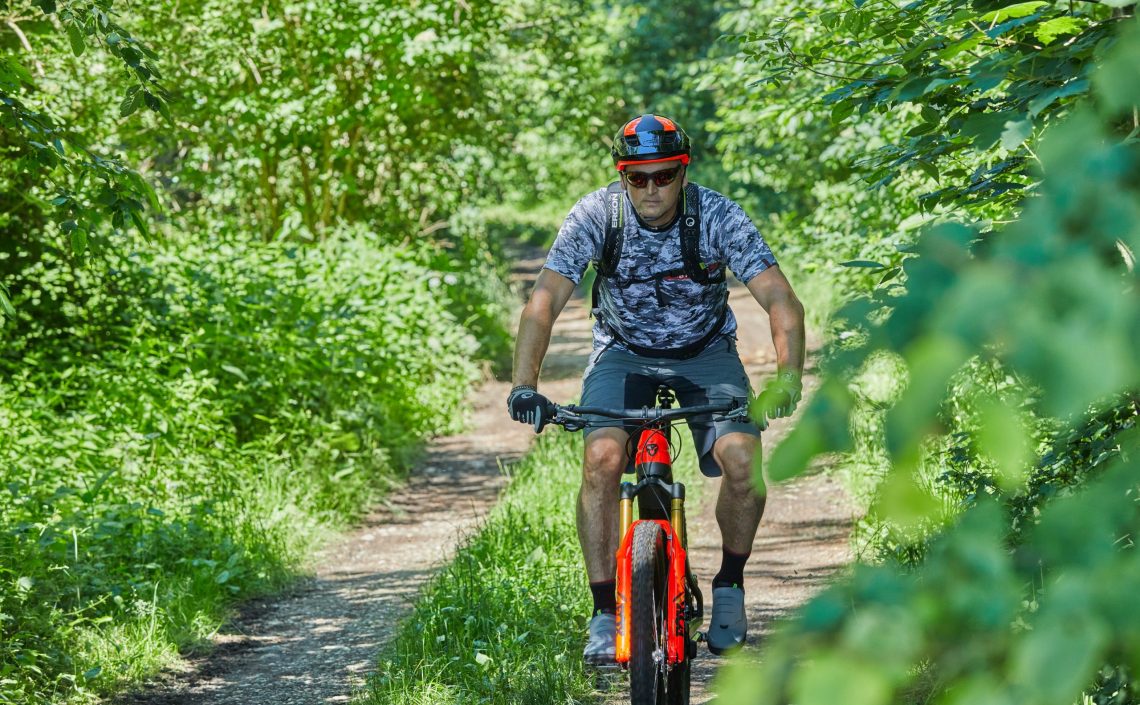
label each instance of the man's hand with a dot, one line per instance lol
(779, 397)
(527, 406)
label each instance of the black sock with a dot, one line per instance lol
(731, 569)
(605, 597)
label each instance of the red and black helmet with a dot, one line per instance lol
(648, 139)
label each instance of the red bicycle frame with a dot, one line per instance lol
(653, 460)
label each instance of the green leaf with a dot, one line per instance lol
(1119, 3)
(841, 111)
(928, 169)
(78, 242)
(1015, 133)
(832, 678)
(1022, 9)
(235, 372)
(1044, 100)
(75, 37)
(1062, 653)
(6, 303)
(13, 72)
(1048, 31)
(1116, 81)
(985, 129)
(131, 102)
(48, 6)
(863, 263)
(140, 224)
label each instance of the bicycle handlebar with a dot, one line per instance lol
(572, 417)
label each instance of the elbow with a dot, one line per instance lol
(789, 308)
(538, 312)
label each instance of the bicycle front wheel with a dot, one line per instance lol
(651, 681)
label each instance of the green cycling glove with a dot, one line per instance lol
(779, 397)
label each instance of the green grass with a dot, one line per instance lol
(505, 621)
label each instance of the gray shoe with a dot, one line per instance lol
(602, 641)
(729, 627)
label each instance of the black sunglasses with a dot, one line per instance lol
(639, 179)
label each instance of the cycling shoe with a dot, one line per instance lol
(601, 644)
(729, 627)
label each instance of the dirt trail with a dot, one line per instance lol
(317, 644)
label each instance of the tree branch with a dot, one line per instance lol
(26, 44)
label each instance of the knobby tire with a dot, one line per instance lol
(648, 681)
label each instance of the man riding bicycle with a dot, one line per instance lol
(661, 247)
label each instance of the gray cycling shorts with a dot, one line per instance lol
(617, 378)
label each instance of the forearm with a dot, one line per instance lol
(786, 316)
(532, 341)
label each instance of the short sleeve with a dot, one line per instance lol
(739, 242)
(580, 238)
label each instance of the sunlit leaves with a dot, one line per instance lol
(1027, 611)
(54, 156)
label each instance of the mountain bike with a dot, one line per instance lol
(660, 607)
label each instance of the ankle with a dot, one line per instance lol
(731, 570)
(605, 597)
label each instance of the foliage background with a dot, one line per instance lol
(229, 235)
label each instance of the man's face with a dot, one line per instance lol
(655, 204)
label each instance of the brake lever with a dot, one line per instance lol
(737, 414)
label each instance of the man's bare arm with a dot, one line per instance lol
(772, 291)
(551, 292)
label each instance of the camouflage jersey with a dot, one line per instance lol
(674, 311)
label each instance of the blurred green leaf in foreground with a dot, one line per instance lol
(994, 616)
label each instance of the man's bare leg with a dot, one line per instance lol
(740, 504)
(605, 460)
(738, 510)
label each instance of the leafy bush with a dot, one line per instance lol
(186, 436)
(1027, 596)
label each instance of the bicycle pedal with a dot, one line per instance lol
(702, 637)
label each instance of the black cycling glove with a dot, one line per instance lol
(526, 405)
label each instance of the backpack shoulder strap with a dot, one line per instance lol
(691, 236)
(615, 230)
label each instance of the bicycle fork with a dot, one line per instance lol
(677, 576)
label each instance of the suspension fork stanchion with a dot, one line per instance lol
(626, 509)
(677, 514)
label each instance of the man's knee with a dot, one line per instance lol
(605, 458)
(735, 453)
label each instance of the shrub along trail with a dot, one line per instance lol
(318, 643)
